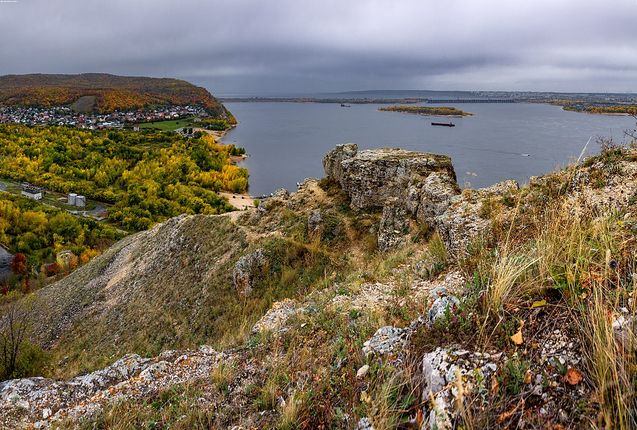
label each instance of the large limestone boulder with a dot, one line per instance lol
(409, 184)
(372, 177)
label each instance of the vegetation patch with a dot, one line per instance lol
(146, 177)
(426, 110)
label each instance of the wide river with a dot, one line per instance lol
(286, 141)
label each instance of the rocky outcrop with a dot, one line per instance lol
(333, 160)
(247, 270)
(432, 197)
(43, 401)
(465, 219)
(372, 177)
(394, 225)
(412, 184)
(276, 318)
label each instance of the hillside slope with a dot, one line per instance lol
(395, 301)
(103, 92)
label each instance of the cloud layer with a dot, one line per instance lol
(254, 46)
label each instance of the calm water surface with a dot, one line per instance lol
(286, 141)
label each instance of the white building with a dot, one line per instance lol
(32, 192)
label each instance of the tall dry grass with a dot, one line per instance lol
(611, 360)
(589, 256)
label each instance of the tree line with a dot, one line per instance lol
(146, 177)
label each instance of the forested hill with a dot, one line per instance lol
(105, 92)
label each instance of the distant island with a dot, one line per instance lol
(97, 100)
(597, 107)
(427, 110)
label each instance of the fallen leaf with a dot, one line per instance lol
(506, 415)
(517, 337)
(365, 397)
(573, 376)
(538, 304)
(495, 385)
(419, 418)
(528, 377)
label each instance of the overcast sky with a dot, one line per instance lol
(291, 46)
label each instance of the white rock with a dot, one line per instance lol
(362, 371)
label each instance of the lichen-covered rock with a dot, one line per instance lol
(441, 306)
(29, 395)
(464, 222)
(247, 270)
(433, 197)
(38, 402)
(364, 424)
(441, 369)
(386, 340)
(274, 320)
(314, 221)
(332, 162)
(372, 177)
(394, 225)
(413, 184)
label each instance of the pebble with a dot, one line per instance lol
(362, 371)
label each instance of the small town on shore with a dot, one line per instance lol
(65, 116)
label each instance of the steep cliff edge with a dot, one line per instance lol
(378, 297)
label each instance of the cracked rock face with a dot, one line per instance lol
(372, 177)
(394, 225)
(408, 184)
(461, 222)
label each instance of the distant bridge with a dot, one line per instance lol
(472, 101)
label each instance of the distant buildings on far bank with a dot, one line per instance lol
(61, 115)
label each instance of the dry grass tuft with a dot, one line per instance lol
(611, 360)
(393, 394)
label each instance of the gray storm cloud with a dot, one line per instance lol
(241, 46)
